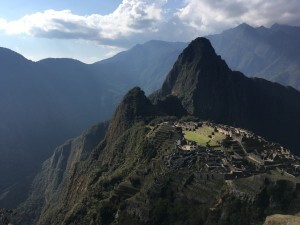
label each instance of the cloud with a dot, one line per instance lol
(130, 18)
(208, 16)
(141, 20)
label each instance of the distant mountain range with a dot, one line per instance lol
(132, 172)
(270, 53)
(145, 65)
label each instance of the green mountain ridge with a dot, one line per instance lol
(127, 180)
(46, 102)
(137, 174)
(56, 172)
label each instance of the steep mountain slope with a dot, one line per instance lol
(104, 159)
(136, 175)
(270, 53)
(57, 170)
(44, 103)
(41, 107)
(208, 89)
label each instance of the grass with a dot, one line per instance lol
(193, 136)
(201, 136)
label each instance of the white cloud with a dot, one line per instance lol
(131, 17)
(208, 16)
(141, 20)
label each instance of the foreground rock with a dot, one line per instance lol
(278, 219)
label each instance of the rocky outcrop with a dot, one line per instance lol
(278, 219)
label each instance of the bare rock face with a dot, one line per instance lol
(279, 219)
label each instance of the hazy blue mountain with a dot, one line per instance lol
(270, 53)
(44, 103)
(147, 64)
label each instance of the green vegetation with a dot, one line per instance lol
(194, 136)
(127, 179)
(278, 175)
(205, 135)
(138, 188)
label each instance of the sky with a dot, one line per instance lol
(93, 30)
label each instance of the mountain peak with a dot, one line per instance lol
(244, 25)
(243, 30)
(9, 57)
(197, 49)
(275, 25)
(134, 92)
(198, 60)
(135, 106)
(208, 89)
(136, 103)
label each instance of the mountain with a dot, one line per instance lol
(66, 96)
(57, 169)
(106, 154)
(137, 175)
(46, 102)
(43, 104)
(208, 89)
(154, 168)
(270, 53)
(146, 64)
